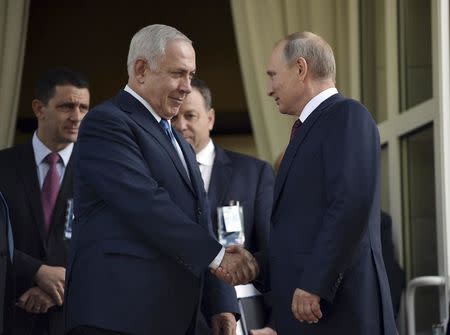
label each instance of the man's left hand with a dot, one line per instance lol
(223, 323)
(306, 306)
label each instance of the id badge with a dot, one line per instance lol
(69, 220)
(230, 224)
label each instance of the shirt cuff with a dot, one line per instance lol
(216, 261)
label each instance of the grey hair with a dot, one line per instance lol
(317, 53)
(150, 43)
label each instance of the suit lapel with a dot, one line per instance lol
(28, 172)
(145, 119)
(220, 177)
(293, 147)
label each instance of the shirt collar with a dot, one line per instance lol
(207, 154)
(41, 151)
(315, 102)
(145, 103)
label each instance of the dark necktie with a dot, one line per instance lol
(295, 128)
(50, 189)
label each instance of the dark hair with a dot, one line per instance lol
(44, 89)
(201, 86)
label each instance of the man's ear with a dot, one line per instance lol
(211, 118)
(302, 67)
(140, 67)
(38, 108)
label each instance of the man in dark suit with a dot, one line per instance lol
(326, 267)
(6, 278)
(227, 176)
(142, 242)
(37, 190)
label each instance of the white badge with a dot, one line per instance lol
(232, 219)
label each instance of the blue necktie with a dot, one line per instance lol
(168, 130)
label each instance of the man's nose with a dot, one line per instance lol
(185, 85)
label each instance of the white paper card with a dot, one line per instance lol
(232, 219)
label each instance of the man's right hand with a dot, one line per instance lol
(263, 331)
(238, 266)
(51, 280)
(35, 300)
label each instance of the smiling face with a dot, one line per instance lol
(194, 121)
(166, 87)
(59, 119)
(286, 82)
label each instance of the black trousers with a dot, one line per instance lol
(86, 330)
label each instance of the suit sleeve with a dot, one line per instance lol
(25, 266)
(219, 297)
(350, 154)
(262, 212)
(111, 162)
(263, 207)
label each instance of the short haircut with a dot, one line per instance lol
(204, 91)
(150, 43)
(317, 53)
(45, 85)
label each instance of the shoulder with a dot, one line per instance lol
(12, 153)
(245, 159)
(348, 111)
(252, 165)
(107, 109)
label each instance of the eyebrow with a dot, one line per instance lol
(72, 104)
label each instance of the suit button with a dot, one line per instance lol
(199, 211)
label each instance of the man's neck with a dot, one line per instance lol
(54, 147)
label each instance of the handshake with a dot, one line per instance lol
(238, 266)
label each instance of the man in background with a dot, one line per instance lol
(6, 278)
(228, 176)
(36, 180)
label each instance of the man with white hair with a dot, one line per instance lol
(325, 262)
(142, 242)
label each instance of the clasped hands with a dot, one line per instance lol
(48, 292)
(238, 266)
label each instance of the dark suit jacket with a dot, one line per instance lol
(395, 273)
(250, 181)
(325, 234)
(20, 186)
(141, 240)
(6, 278)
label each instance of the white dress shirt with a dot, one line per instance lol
(41, 151)
(218, 259)
(205, 160)
(316, 101)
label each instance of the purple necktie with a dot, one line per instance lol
(50, 189)
(295, 128)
